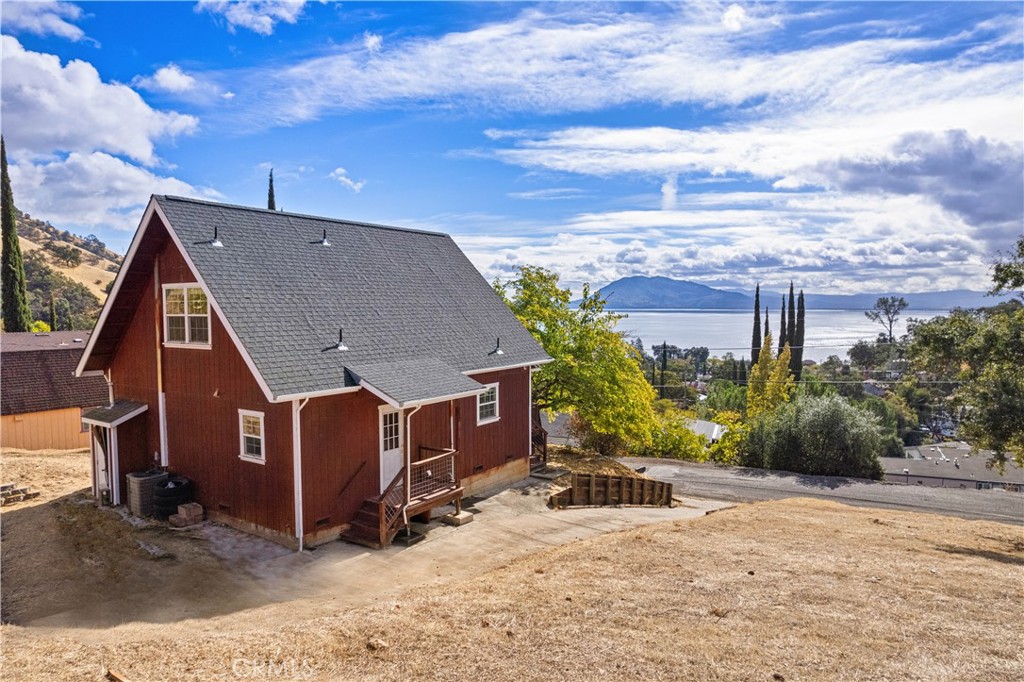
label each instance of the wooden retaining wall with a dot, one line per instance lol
(595, 490)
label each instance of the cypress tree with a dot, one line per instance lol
(791, 329)
(64, 314)
(743, 371)
(53, 313)
(782, 326)
(767, 331)
(271, 204)
(735, 371)
(796, 360)
(755, 341)
(16, 315)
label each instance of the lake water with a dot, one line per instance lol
(827, 332)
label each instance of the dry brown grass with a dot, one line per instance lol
(805, 590)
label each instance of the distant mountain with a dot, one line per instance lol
(654, 293)
(664, 293)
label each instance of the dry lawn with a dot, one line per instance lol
(580, 461)
(794, 590)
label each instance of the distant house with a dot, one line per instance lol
(41, 399)
(872, 387)
(313, 377)
(711, 431)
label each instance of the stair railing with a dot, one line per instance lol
(391, 507)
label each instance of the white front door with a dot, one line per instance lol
(390, 446)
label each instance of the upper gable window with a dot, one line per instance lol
(186, 316)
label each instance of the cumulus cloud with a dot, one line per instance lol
(43, 19)
(169, 78)
(48, 106)
(341, 175)
(92, 189)
(734, 18)
(259, 16)
(372, 41)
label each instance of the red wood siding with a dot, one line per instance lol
(340, 457)
(204, 391)
(132, 450)
(495, 444)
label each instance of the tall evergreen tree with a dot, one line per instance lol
(755, 340)
(743, 371)
(797, 357)
(791, 329)
(782, 326)
(271, 203)
(64, 320)
(53, 313)
(767, 331)
(16, 314)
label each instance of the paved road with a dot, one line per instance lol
(752, 485)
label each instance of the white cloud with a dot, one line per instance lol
(228, 95)
(341, 175)
(372, 41)
(43, 19)
(93, 189)
(48, 107)
(169, 78)
(550, 194)
(734, 18)
(259, 16)
(669, 190)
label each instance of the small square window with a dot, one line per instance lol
(250, 428)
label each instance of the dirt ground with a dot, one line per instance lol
(577, 460)
(789, 590)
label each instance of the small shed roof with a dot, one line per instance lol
(113, 415)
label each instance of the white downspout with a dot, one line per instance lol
(408, 462)
(110, 387)
(297, 464)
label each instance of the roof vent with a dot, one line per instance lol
(323, 242)
(497, 347)
(78, 340)
(341, 342)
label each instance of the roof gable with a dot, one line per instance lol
(400, 295)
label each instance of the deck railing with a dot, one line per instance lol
(390, 507)
(432, 475)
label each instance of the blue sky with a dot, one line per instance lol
(847, 147)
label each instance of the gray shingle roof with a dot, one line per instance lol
(37, 373)
(405, 298)
(410, 381)
(115, 414)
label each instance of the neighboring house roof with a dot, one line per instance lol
(710, 430)
(37, 373)
(416, 314)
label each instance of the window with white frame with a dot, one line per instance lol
(186, 315)
(487, 405)
(250, 435)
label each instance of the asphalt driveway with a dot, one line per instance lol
(738, 484)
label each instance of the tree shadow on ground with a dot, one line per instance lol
(991, 555)
(805, 480)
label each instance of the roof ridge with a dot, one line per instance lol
(310, 216)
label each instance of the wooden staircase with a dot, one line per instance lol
(11, 493)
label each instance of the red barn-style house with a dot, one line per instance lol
(314, 378)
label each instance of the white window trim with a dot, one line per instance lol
(497, 406)
(241, 437)
(185, 286)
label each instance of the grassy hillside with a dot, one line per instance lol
(76, 270)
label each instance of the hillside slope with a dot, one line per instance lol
(97, 267)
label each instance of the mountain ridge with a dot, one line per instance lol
(641, 292)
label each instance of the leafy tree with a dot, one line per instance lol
(796, 365)
(594, 370)
(39, 327)
(271, 203)
(755, 341)
(63, 313)
(886, 311)
(770, 382)
(1008, 275)
(67, 255)
(698, 355)
(672, 437)
(984, 350)
(725, 396)
(824, 436)
(53, 312)
(731, 447)
(16, 314)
